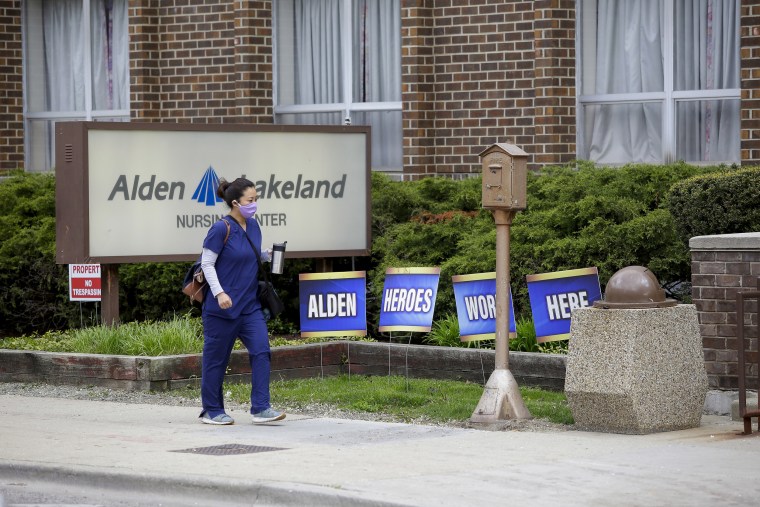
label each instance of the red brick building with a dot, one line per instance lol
(438, 80)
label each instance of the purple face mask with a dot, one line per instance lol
(248, 210)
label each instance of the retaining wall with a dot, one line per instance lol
(304, 361)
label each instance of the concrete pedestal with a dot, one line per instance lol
(636, 371)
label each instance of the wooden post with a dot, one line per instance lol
(109, 294)
(324, 265)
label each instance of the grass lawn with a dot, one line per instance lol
(403, 398)
(438, 401)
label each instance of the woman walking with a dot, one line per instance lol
(232, 309)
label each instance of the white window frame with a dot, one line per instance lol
(347, 106)
(88, 114)
(668, 99)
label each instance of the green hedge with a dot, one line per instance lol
(576, 217)
(724, 202)
(33, 289)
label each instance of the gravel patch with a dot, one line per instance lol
(93, 393)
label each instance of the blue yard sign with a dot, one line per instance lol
(553, 296)
(476, 307)
(408, 299)
(333, 304)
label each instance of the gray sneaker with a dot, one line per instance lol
(268, 415)
(219, 419)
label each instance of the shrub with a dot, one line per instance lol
(146, 338)
(149, 291)
(724, 202)
(525, 341)
(33, 289)
(445, 333)
(178, 335)
(576, 217)
(397, 202)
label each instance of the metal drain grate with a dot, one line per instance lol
(229, 449)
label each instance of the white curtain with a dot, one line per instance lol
(629, 59)
(317, 55)
(109, 54)
(65, 49)
(376, 55)
(707, 58)
(377, 75)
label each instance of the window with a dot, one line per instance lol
(658, 81)
(75, 68)
(338, 62)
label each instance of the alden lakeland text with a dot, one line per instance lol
(146, 190)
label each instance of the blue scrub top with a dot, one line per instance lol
(236, 267)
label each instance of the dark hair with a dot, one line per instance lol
(233, 191)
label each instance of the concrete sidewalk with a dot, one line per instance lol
(126, 454)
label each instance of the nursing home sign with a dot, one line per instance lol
(131, 192)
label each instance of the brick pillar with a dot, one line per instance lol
(721, 266)
(750, 82)
(555, 81)
(144, 58)
(253, 62)
(417, 86)
(468, 76)
(196, 52)
(11, 93)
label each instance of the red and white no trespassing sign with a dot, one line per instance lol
(84, 282)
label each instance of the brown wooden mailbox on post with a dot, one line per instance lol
(505, 176)
(505, 189)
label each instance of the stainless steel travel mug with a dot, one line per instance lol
(278, 257)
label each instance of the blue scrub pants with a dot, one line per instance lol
(218, 339)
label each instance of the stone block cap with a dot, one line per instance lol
(634, 287)
(738, 241)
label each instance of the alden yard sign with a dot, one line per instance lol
(130, 192)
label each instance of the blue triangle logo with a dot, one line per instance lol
(206, 190)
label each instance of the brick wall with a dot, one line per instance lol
(201, 62)
(197, 59)
(468, 74)
(482, 72)
(11, 93)
(474, 73)
(144, 60)
(750, 82)
(554, 81)
(253, 62)
(418, 86)
(721, 266)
